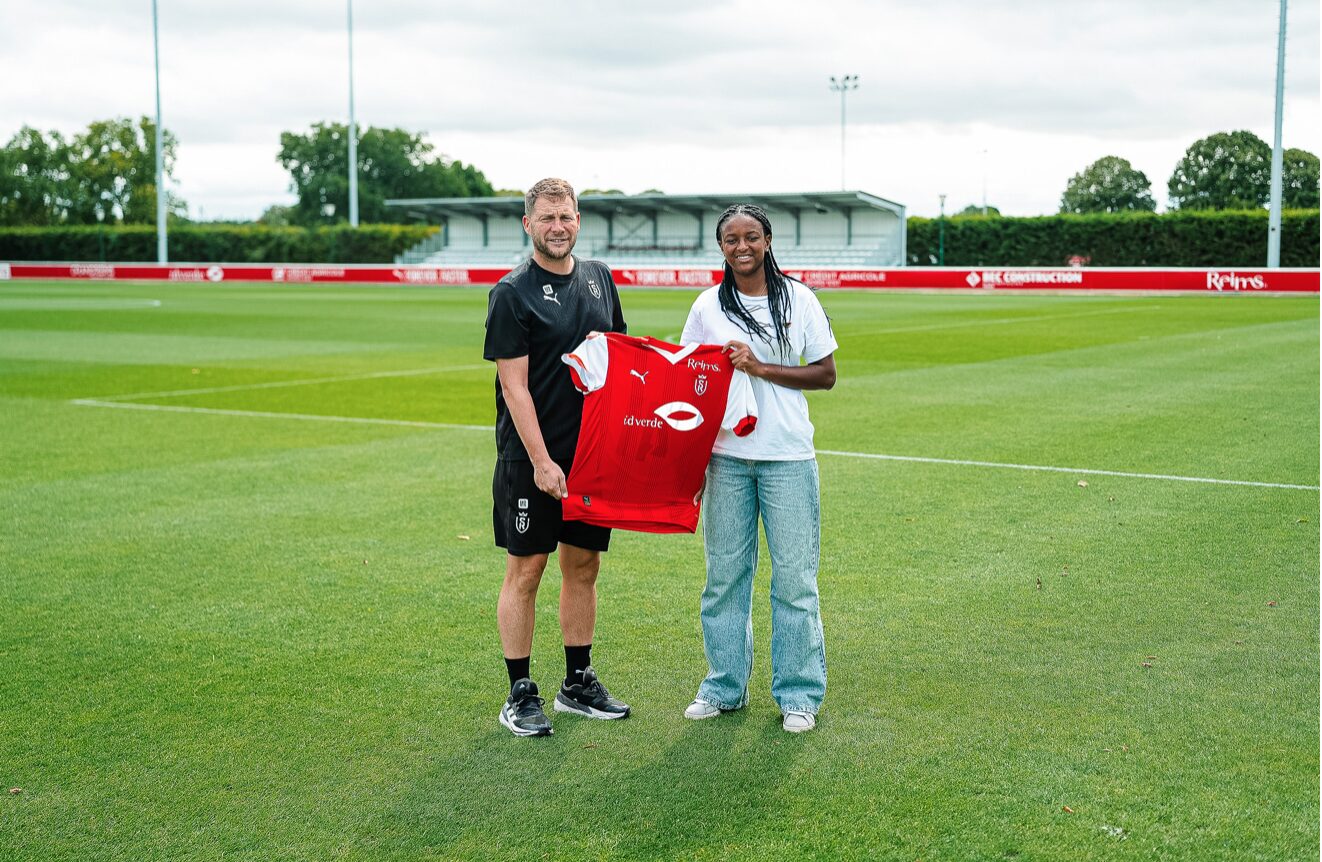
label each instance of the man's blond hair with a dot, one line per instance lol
(551, 187)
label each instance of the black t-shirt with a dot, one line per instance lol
(541, 315)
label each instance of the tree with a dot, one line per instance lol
(277, 215)
(392, 163)
(34, 177)
(1228, 170)
(976, 210)
(113, 172)
(1108, 185)
(1299, 180)
(106, 173)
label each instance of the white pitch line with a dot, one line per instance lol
(307, 381)
(1088, 472)
(261, 414)
(406, 423)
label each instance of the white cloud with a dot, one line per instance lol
(687, 96)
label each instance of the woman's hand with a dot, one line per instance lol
(814, 375)
(742, 357)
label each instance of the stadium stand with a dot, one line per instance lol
(849, 228)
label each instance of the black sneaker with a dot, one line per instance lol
(522, 713)
(590, 700)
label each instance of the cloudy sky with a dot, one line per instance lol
(721, 96)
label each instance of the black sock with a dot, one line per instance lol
(577, 659)
(518, 668)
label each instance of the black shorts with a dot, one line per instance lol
(529, 521)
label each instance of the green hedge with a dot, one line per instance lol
(1219, 238)
(1124, 239)
(377, 243)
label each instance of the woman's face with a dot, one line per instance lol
(744, 244)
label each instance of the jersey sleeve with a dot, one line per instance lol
(507, 324)
(818, 339)
(588, 363)
(740, 406)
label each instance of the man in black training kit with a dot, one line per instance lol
(537, 312)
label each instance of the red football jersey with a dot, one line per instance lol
(650, 417)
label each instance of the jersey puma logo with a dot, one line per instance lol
(551, 298)
(642, 377)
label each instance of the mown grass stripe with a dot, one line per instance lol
(263, 414)
(309, 381)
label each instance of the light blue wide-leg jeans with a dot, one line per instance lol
(784, 494)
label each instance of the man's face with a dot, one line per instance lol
(553, 227)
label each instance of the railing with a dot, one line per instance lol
(653, 254)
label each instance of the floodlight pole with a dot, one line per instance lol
(843, 86)
(984, 182)
(162, 242)
(353, 135)
(941, 234)
(1274, 218)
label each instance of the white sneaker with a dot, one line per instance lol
(700, 709)
(798, 722)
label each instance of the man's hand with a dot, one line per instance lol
(550, 479)
(742, 357)
(697, 498)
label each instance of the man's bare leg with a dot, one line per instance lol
(583, 694)
(578, 594)
(516, 611)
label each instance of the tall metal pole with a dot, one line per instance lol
(353, 135)
(984, 182)
(843, 86)
(941, 234)
(1274, 219)
(162, 242)
(843, 91)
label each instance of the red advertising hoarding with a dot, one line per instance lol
(1084, 279)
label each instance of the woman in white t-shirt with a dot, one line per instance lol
(775, 330)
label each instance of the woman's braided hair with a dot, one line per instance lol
(778, 288)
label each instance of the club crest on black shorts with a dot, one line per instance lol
(526, 520)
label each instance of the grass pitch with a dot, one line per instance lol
(247, 592)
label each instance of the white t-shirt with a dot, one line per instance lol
(783, 431)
